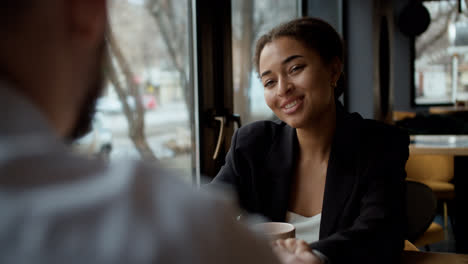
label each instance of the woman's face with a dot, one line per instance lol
(297, 84)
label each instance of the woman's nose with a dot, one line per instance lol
(284, 87)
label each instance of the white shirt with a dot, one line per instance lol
(307, 228)
(57, 207)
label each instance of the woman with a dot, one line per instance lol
(337, 177)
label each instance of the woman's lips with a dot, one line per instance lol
(291, 106)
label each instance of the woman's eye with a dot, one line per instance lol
(268, 83)
(296, 68)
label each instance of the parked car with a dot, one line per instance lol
(112, 105)
(98, 142)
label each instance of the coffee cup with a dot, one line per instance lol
(276, 230)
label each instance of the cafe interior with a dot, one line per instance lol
(190, 63)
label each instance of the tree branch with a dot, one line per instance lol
(135, 119)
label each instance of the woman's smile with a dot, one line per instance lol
(292, 106)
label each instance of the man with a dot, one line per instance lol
(61, 208)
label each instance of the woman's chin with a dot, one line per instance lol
(294, 122)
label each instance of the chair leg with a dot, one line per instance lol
(446, 230)
(445, 216)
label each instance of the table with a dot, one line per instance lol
(447, 109)
(457, 146)
(415, 257)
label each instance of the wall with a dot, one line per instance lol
(360, 31)
(402, 64)
(330, 11)
(358, 26)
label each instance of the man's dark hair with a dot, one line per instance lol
(10, 9)
(315, 34)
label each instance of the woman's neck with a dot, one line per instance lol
(315, 140)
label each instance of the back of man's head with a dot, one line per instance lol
(51, 52)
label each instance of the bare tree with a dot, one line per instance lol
(140, 42)
(135, 117)
(171, 24)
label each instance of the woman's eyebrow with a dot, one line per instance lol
(288, 59)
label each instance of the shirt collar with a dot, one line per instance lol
(18, 116)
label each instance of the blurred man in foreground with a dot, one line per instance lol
(61, 208)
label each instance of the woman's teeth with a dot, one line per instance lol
(292, 104)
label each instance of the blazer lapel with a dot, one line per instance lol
(279, 167)
(340, 173)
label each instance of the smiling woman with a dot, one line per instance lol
(288, 69)
(337, 177)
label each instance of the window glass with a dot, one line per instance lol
(441, 64)
(146, 109)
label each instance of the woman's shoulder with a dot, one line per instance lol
(264, 131)
(263, 128)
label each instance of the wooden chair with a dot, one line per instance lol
(400, 115)
(436, 171)
(421, 209)
(410, 247)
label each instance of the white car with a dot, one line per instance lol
(98, 142)
(112, 105)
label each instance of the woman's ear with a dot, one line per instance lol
(336, 69)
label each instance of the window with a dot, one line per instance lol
(147, 105)
(441, 61)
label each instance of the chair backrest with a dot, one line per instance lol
(421, 206)
(400, 115)
(430, 168)
(409, 246)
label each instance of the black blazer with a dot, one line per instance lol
(363, 213)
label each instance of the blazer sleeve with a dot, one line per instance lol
(377, 235)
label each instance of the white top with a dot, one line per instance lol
(57, 207)
(307, 228)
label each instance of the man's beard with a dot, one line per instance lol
(84, 122)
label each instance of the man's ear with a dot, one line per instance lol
(87, 20)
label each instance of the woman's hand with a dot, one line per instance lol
(292, 250)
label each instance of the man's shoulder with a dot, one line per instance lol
(132, 209)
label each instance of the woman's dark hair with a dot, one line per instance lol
(314, 33)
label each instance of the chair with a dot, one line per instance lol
(410, 247)
(400, 115)
(436, 171)
(421, 206)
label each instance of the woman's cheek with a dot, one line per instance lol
(269, 98)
